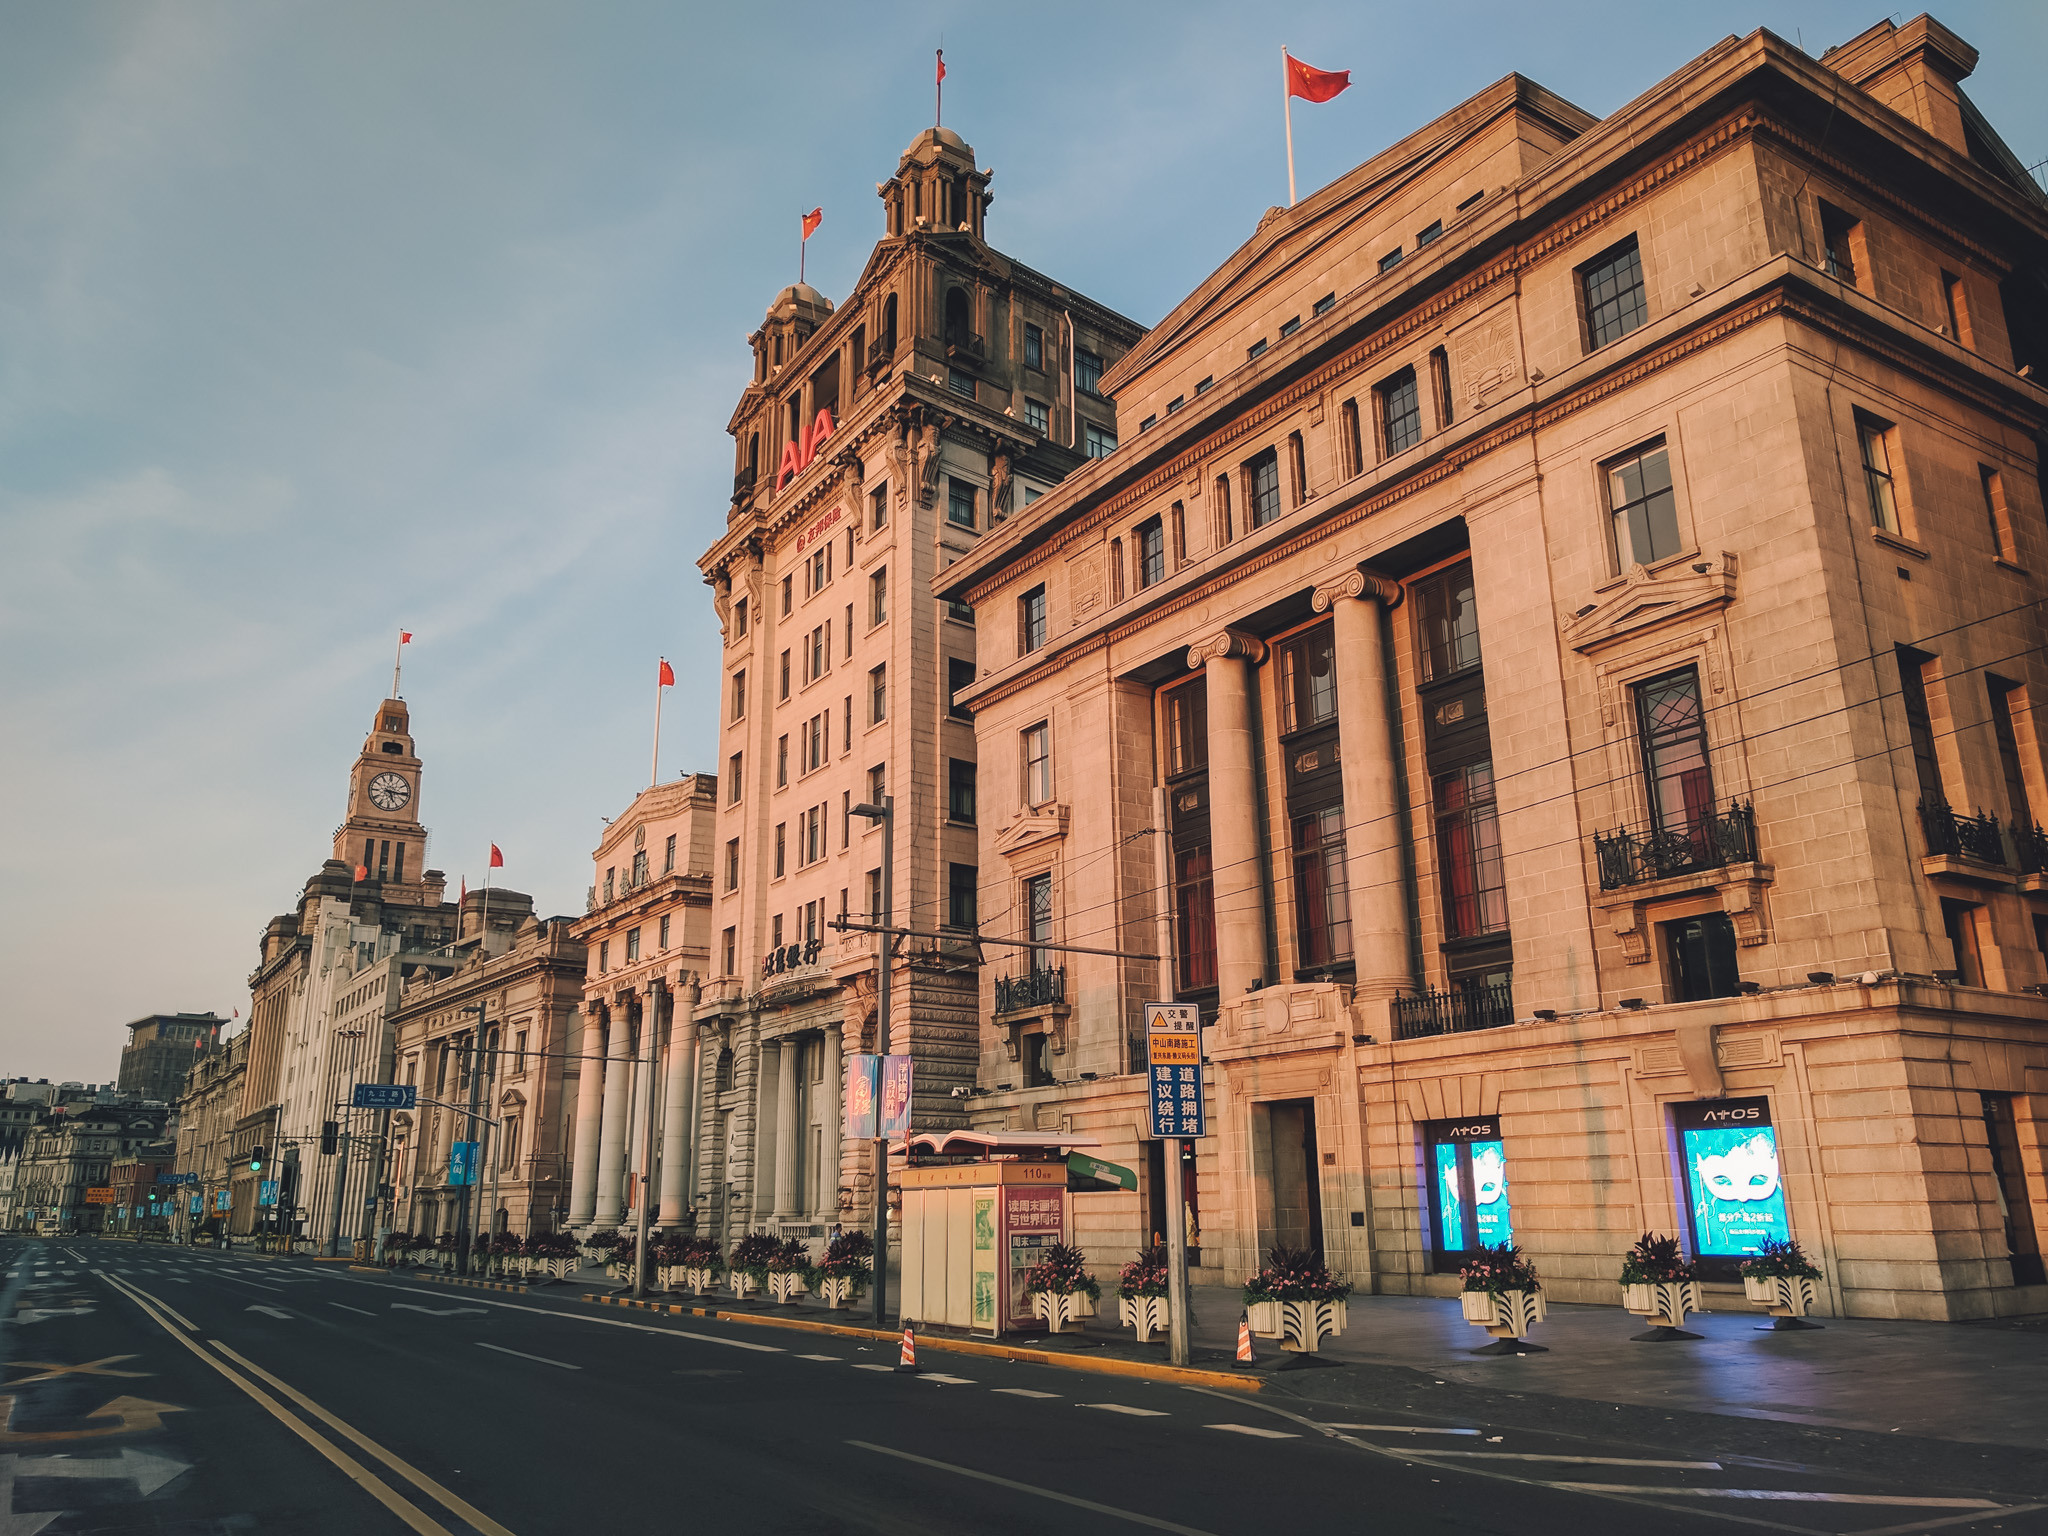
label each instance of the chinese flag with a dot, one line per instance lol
(942, 63)
(405, 637)
(812, 220)
(362, 873)
(1312, 84)
(497, 858)
(668, 674)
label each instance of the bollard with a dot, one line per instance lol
(1244, 1338)
(907, 1360)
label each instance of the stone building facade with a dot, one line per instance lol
(1550, 670)
(878, 441)
(209, 1111)
(647, 939)
(73, 1150)
(162, 1048)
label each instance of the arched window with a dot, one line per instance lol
(958, 326)
(889, 325)
(725, 1070)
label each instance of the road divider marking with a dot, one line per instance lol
(1400, 1429)
(835, 1359)
(1588, 1461)
(945, 1381)
(52, 1369)
(1152, 1521)
(1786, 1494)
(1255, 1431)
(1136, 1413)
(406, 1306)
(862, 1365)
(522, 1354)
(359, 1312)
(269, 1311)
(1024, 1392)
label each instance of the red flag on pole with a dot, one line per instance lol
(463, 899)
(812, 220)
(405, 637)
(362, 873)
(497, 858)
(942, 65)
(668, 674)
(1312, 84)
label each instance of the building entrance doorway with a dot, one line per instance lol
(2015, 1206)
(1155, 1196)
(1284, 1164)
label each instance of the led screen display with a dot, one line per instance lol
(1468, 1185)
(1734, 1190)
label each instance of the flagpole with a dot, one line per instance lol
(939, 92)
(1287, 107)
(654, 772)
(803, 247)
(397, 658)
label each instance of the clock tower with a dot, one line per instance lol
(382, 835)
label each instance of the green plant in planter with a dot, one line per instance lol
(1295, 1274)
(750, 1255)
(1061, 1271)
(1499, 1269)
(551, 1245)
(1777, 1260)
(699, 1253)
(850, 1253)
(790, 1258)
(606, 1245)
(1655, 1260)
(1145, 1275)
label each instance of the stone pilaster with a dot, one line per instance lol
(1230, 659)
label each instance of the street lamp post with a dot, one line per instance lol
(885, 945)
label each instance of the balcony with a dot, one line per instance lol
(1638, 855)
(2031, 843)
(1952, 835)
(1034, 989)
(966, 344)
(1470, 1006)
(742, 483)
(880, 350)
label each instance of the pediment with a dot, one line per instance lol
(1043, 825)
(1647, 599)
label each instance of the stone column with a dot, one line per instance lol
(589, 1111)
(677, 1143)
(828, 1172)
(1372, 818)
(1230, 659)
(611, 1146)
(787, 1130)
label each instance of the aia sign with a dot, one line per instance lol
(797, 456)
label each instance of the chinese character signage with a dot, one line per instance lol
(385, 1096)
(1733, 1192)
(462, 1163)
(266, 1192)
(895, 1114)
(1173, 1041)
(863, 1076)
(222, 1199)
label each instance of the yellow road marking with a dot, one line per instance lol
(52, 1369)
(135, 1415)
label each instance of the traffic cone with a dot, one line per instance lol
(1244, 1338)
(907, 1360)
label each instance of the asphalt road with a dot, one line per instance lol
(155, 1389)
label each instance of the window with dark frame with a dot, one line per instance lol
(1447, 619)
(1098, 442)
(959, 676)
(960, 791)
(1959, 924)
(1475, 891)
(1873, 439)
(1322, 902)
(1400, 413)
(1036, 416)
(1289, 327)
(1429, 233)
(1995, 512)
(1034, 347)
(1256, 349)
(1391, 260)
(1837, 230)
(961, 882)
(878, 506)
(1087, 372)
(878, 596)
(878, 694)
(1037, 744)
(732, 864)
(1671, 727)
(1308, 680)
(1613, 287)
(1031, 620)
(1151, 542)
(1262, 487)
(960, 503)
(1920, 725)
(1642, 506)
(739, 694)
(1322, 306)
(1186, 722)
(2018, 803)
(1038, 918)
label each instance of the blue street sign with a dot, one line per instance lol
(198, 1202)
(177, 1178)
(462, 1163)
(266, 1192)
(385, 1096)
(1173, 1038)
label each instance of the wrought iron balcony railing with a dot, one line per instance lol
(1967, 837)
(1471, 1005)
(742, 483)
(1033, 989)
(2031, 843)
(1638, 855)
(880, 350)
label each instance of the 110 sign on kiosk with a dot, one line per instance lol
(1173, 1040)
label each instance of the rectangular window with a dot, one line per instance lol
(959, 675)
(960, 889)
(1447, 621)
(878, 506)
(845, 831)
(1031, 620)
(874, 884)
(1099, 442)
(781, 761)
(668, 855)
(1995, 512)
(788, 594)
(960, 503)
(729, 950)
(1429, 234)
(775, 932)
(1959, 924)
(1440, 384)
(782, 690)
(2019, 808)
(1700, 952)
(732, 779)
(1036, 416)
(878, 596)
(878, 785)
(1289, 327)
(1187, 727)
(781, 847)
(1613, 288)
(1323, 306)
(1400, 413)
(1322, 900)
(1468, 1189)
(732, 864)
(1920, 725)
(813, 832)
(632, 945)
(1087, 372)
(604, 956)
(960, 791)
(1671, 727)
(739, 619)
(1207, 381)
(1839, 235)
(817, 652)
(1151, 540)
(1642, 507)
(1874, 438)
(1194, 908)
(1391, 260)
(662, 940)
(739, 694)
(1037, 764)
(1256, 350)
(1351, 442)
(1308, 680)
(1262, 487)
(878, 694)
(510, 1143)
(1034, 347)
(1475, 890)
(519, 1051)
(1171, 406)
(2015, 1202)
(1038, 918)
(959, 383)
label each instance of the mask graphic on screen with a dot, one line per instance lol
(1746, 1172)
(1489, 1175)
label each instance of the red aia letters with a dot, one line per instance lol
(797, 456)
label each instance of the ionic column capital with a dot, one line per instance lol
(1359, 583)
(1226, 644)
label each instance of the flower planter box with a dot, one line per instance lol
(1507, 1315)
(1062, 1312)
(837, 1290)
(1663, 1304)
(1787, 1298)
(1147, 1314)
(1305, 1324)
(699, 1278)
(743, 1283)
(786, 1287)
(1264, 1318)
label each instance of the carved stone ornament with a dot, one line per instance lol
(1046, 823)
(1358, 583)
(1226, 644)
(1489, 358)
(1647, 599)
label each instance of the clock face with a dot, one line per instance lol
(389, 792)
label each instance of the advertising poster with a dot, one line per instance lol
(1468, 1192)
(985, 1262)
(1032, 1219)
(895, 1098)
(461, 1163)
(862, 1074)
(1735, 1195)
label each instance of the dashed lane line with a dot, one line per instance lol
(945, 1381)
(359, 1312)
(1136, 1413)
(1589, 1461)
(1023, 1392)
(522, 1354)
(1402, 1429)
(1788, 1495)
(1255, 1431)
(1135, 1518)
(834, 1359)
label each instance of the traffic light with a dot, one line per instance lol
(330, 1133)
(255, 1159)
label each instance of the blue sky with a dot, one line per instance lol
(319, 320)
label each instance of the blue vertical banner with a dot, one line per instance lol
(462, 1163)
(895, 1111)
(266, 1192)
(863, 1096)
(1173, 1045)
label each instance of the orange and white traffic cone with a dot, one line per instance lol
(907, 1360)
(1244, 1338)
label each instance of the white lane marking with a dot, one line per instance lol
(835, 1359)
(1136, 1413)
(1400, 1429)
(178, 1280)
(1253, 1429)
(1588, 1461)
(408, 1306)
(522, 1354)
(1023, 1392)
(148, 1472)
(359, 1312)
(946, 1381)
(257, 1283)
(1778, 1493)
(606, 1322)
(859, 1366)
(1044, 1493)
(273, 1311)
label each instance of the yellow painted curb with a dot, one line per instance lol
(1107, 1365)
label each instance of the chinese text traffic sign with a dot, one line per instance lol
(385, 1096)
(1173, 1039)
